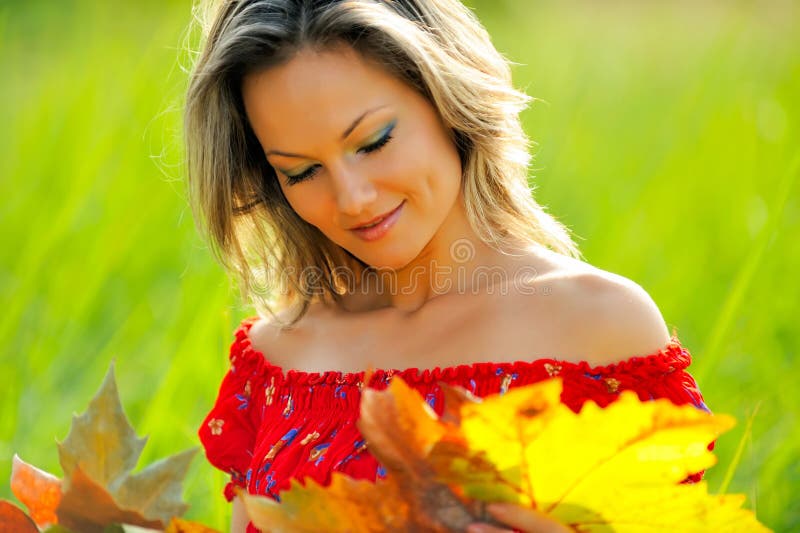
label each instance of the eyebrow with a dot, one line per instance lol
(346, 132)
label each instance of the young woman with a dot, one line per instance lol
(360, 167)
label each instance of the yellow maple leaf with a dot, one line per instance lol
(616, 468)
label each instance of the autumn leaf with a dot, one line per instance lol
(630, 442)
(409, 500)
(614, 468)
(156, 490)
(38, 490)
(178, 525)
(14, 520)
(311, 508)
(101, 439)
(98, 488)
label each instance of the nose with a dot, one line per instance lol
(354, 190)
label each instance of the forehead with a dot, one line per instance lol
(324, 90)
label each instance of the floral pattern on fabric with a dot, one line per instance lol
(268, 426)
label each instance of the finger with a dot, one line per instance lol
(525, 519)
(486, 528)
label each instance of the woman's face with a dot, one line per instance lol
(349, 143)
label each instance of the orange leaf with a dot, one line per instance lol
(178, 525)
(37, 489)
(14, 520)
(405, 427)
(346, 505)
(401, 429)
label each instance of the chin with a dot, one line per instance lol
(386, 254)
(387, 264)
(388, 261)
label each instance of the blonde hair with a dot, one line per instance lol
(437, 46)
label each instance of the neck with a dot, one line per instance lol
(454, 262)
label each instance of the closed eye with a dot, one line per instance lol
(307, 173)
(380, 143)
(370, 148)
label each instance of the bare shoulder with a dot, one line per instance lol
(592, 314)
(609, 317)
(263, 333)
(270, 336)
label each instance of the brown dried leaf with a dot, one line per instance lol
(98, 489)
(97, 457)
(88, 507)
(101, 439)
(155, 491)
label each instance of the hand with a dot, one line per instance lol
(520, 518)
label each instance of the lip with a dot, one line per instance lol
(373, 220)
(380, 229)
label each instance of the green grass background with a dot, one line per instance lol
(667, 138)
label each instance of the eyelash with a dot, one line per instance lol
(370, 148)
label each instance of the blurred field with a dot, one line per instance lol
(667, 138)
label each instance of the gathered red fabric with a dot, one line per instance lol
(268, 426)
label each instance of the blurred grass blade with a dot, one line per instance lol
(737, 457)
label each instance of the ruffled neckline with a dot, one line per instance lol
(673, 356)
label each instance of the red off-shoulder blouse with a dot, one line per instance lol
(268, 426)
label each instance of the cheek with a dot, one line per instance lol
(420, 159)
(306, 202)
(441, 164)
(433, 150)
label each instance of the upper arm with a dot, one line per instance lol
(617, 319)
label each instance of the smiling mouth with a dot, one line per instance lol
(377, 220)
